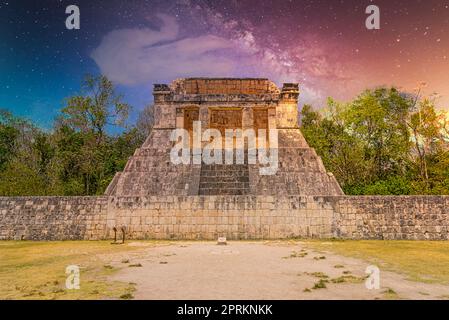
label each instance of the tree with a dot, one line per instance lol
(374, 144)
(19, 179)
(378, 118)
(98, 106)
(427, 127)
(79, 156)
(27, 157)
(145, 122)
(342, 154)
(8, 137)
(84, 122)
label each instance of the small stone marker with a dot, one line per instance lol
(222, 241)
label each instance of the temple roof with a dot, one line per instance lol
(211, 86)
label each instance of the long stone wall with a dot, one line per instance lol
(53, 218)
(393, 217)
(236, 217)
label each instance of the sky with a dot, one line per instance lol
(323, 45)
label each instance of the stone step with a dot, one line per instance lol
(214, 192)
(222, 179)
(224, 185)
(212, 179)
(224, 173)
(224, 167)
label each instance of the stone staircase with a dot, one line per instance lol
(222, 179)
(150, 172)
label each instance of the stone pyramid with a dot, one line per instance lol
(224, 103)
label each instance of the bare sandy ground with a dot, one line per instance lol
(257, 270)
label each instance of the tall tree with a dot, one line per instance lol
(428, 136)
(8, 137)
(145, 122)
(379, 119)
(84, 121)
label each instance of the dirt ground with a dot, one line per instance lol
(257, 270)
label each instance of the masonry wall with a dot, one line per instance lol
(53, 218)
(393, 217)
(223, 86)
(236, 217)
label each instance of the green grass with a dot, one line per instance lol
(390, 294)
(321, 284)
(36, 270)
(423, 261)
(347, 279)
(320, 275)
(137, 265)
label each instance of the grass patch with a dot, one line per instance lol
(127, 296)
(36, 270)
(424, 261)
(321, 284)
(136, 265)
(390, 294)
(347, 279)
(319, 275)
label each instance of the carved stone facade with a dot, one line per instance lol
(224, 104)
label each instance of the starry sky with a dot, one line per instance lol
(322, 44)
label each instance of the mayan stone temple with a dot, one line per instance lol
(154, 198)
(224, 104)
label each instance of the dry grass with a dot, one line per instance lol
(36, 270)
(424, 261)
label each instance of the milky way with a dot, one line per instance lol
(324, 45)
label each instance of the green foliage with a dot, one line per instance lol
(384, 142)
(394, 185)
(8, 136)
(379, 120)
(78, 157)
(18, 179)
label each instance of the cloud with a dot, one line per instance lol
(143, 55)
(135, 56)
